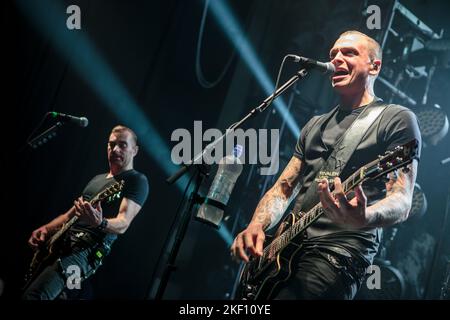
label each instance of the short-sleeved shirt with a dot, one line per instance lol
(135, 188)
(397, 125)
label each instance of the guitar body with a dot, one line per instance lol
(261, 277)
(42, 258)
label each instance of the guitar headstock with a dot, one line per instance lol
(112, 190)
(400, 157)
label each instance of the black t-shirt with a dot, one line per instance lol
(396, 126)
(135, 188)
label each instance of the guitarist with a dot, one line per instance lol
(91, 237)
(342, 243)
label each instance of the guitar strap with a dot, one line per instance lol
(342, 151)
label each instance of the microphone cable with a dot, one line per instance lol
(277, 83)
(198, 69)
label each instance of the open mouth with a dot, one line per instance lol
(340, 74)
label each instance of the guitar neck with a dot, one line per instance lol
(312, 215)
(66, 226)
(63, 229)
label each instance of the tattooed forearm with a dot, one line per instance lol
(397, 204)
(277, 199)
(269, 207)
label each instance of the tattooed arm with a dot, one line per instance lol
(397, 204)
(272, 206)
(268, 212)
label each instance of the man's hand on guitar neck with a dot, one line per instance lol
(86, 212)
(341, 210)
(394, 208)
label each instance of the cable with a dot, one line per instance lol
(198, 70)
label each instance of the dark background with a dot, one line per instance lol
(151, 47)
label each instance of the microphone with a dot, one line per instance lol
(81, 121)
(324, 67)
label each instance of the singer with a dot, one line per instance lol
(96, 227)
(340, 245)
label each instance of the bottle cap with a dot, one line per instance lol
(237, 150)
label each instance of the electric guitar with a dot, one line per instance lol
(49, 251)
(261, 275)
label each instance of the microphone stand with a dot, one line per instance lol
(200, 173)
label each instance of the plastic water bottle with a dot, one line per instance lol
(230, 167)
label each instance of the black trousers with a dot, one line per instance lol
(320, 274)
